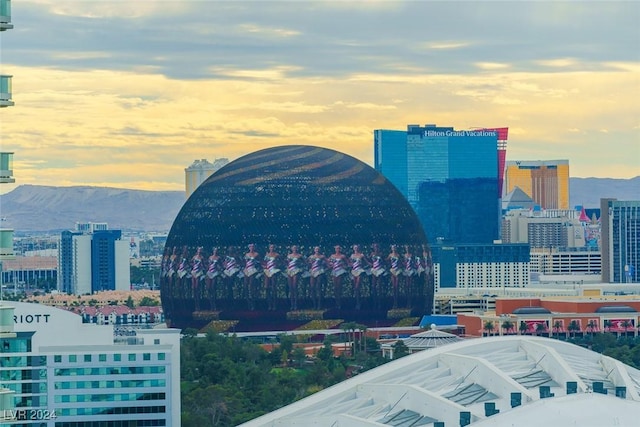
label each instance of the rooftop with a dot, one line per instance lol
(514, 380)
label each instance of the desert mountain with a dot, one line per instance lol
(39, 208)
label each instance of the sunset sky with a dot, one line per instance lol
(129, 93)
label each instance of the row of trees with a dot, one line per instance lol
(227, 380)
(574, 327)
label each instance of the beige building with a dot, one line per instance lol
(545, 181)
(199, 171)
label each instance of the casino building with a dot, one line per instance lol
(289, 196)
(66, 373)
(453, 178)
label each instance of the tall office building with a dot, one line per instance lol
(63, 372)
(452, 178)
(620, 240)
(92, 259)
(199, 171)
(545, 181)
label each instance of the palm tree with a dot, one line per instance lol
(524, 328)
(557, 325)
(573, 327)
(489, 327)
(507, 326)
(540, 328)
(363, 330)
(607, 325)
(349, 328)
(591, 326)
(626, 324)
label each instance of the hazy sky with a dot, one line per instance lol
(129, 93)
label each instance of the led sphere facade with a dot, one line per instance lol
(287, 196)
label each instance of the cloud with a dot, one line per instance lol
(267, 31)
(133, 98)
(559, 62)
(446, 45)
(491, 65)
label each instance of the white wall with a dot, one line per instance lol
(81, 264)
(123, 272)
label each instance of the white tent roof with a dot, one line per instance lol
(445, 383)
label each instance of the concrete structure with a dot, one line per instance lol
(451, 178)
(84, 375)
(6, 332)
(545, 181)
(497, 381)
(421, 341)
(92, 259)
(5, 80)
(199, 171)
(6, 235)
(620, 240)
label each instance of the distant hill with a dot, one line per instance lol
(588, 191)
(39, 208)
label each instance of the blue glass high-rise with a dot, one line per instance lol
(450, 178)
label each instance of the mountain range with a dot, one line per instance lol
(40, 208)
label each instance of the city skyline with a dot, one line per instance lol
(128, 94)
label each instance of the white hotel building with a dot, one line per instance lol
(65, 373)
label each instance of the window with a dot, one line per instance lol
(146, 356)
(117, 357)
(132, 357)
(57, 358)
(102, 357)
(73, 358)
(156, 341)
(87, 358)
(161, 356)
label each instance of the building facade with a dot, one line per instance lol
(480, 266)
(85, 376)
(545, 228)
(545, 181)
(620, 240)
(566, 262)
(92, 260)
(452, 178)
(199, 171)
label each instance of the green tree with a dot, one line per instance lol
(129, 303)
(489, 327)
(523, 328)
(573, 327)
(148, 302)
(298, 356)
(591, 326)
(507, 326)
(400, 349)
(557, 325)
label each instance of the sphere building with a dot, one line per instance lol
(287, 196)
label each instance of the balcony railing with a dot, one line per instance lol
(5, 91)
(6, 168)
(5, 15)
